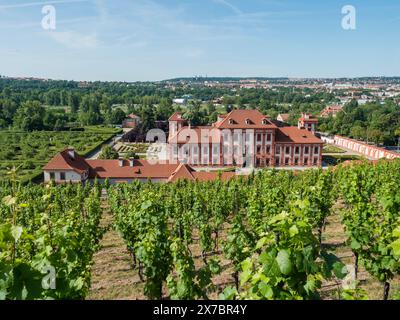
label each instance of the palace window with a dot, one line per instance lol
(296, 161)
(269, 136)
(286, 161)
(52, 176)
(278, 150)
(315, 161)
(305, 161)
(306, 150)
(316, 150)
(287, 150)
(62, 176)
(259, 137)
(258, 149)
(297, 150)
(277, 161)
(268, 149)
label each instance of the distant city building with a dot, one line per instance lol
(308, 122)
(331, 111)
(283, 117)
(132, 121)
(180, 101)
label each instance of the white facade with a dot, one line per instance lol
(63, 176)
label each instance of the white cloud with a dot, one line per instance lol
(41, 3)
(75, 40)
(230, 6)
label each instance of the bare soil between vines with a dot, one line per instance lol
(113, 277)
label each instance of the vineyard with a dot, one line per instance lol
(47, 239)
(255, 237)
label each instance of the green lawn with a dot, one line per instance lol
(30, 151)
(332, 149)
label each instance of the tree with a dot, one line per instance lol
(117, 116)
(73, 102)
(358, 132)
(29, 116)
(132, 155)
(108, 153)
(375, 135)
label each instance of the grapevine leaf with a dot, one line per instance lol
(16, 232)
(284, 263)
(9, 200)
(266, 290)
(229, 293)
(355, 245)
(293, 231)
(396, 247)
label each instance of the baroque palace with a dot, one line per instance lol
(245, 138)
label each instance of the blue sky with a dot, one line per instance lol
(130, 40)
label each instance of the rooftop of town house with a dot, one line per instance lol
(68, 160)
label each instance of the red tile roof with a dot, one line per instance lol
(284, 116)
(239, 118)
(295, 135)
(64, 161)
(177, 116)
(309, 120)
(185, 172)
(103, 169)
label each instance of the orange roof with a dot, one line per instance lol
(295, 135)
(334, 107)
(309, 120)
(133, 116)
(284, 116)
(185, 172)
(177, 116)
(64, 161)
(103, 169)
(238, 119)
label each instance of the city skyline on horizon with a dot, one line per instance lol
(153, 40)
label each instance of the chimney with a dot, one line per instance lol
(121, 162)
(131, 162)
(71, 153)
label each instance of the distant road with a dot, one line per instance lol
(96, 153)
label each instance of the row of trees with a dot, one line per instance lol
(372, 122)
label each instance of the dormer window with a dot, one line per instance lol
(231, 121)
(248, 121)
(265, 121)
